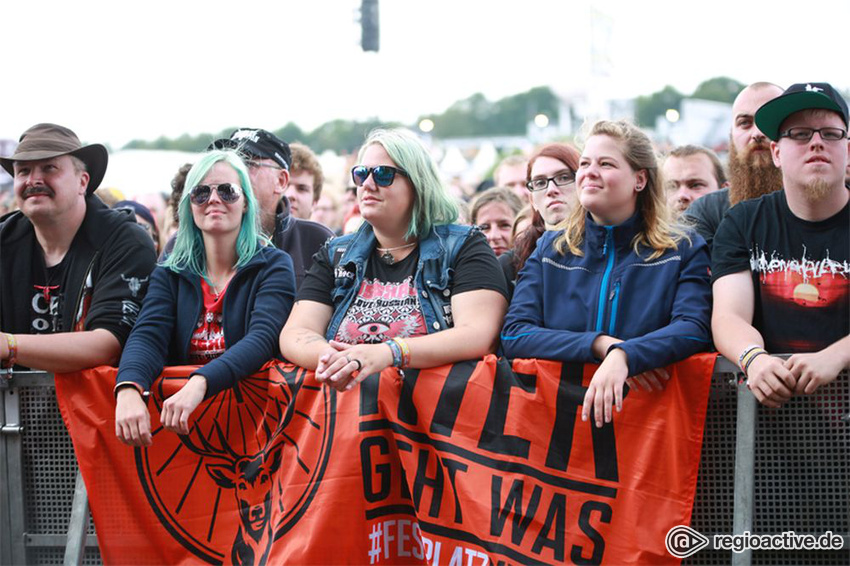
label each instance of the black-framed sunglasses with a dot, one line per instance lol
(383, 175)
(227, 192)
(562, 179)
(803, 134)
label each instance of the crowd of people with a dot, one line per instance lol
(606, 253)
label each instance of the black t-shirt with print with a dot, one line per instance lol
(387, 305)
(47, 295)
(800, 270)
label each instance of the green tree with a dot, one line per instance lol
(291, 132)
(648, 108)
(514, 112)
(467, 117)
(721, 89)
(343, 136)
(472, 116)
(476, 116)
(183, 143)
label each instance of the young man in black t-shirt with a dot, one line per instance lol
(781, 263)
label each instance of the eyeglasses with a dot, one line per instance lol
(541, 183)
(383, 175)
(256, 164)
(227, 192)
(802, 134)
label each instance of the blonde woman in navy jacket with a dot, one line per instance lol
(218, 301)
(620, 284)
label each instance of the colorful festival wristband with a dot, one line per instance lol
(396, 350)
(748, 355)
(405, 352)
(12, 343)
(753, 356)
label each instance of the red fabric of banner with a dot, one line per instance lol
(463, 464)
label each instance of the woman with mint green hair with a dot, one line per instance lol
(188, 247)
(218, 301)
(409, 289)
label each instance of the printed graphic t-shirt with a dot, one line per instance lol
(47, 295)
(800, 270)
(207, 342)
(387, 305)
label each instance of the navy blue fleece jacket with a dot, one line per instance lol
(257, 303)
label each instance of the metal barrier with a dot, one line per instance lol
(38, 479)
(768, 471)
(773, 471)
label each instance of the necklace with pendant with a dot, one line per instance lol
(386, 253)
(214, 288)
(46, 289)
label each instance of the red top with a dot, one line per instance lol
(207, 341)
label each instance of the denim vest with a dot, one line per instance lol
(432, 280)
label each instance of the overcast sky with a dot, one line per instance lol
(114, 71)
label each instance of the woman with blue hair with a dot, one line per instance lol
(218, 301)
(409, 288)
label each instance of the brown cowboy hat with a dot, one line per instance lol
(44, 141)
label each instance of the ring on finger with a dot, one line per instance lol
(359, 364)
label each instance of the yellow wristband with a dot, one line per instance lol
(12, 343)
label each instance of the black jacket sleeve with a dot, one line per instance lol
(121, 281)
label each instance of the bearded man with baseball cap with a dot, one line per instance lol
(781, 281)
(269, 160)
(73, 273)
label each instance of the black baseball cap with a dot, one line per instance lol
(798, 97)
(256, 142)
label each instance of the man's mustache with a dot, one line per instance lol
(38, 190)
(759, 144)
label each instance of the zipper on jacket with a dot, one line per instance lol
(76, 315)
(614, 298)
(609, 267)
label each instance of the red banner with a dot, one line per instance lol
(459, 465)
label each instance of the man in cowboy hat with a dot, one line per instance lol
(781, 281)
(72, 272)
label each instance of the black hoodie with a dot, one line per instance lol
(110, 251)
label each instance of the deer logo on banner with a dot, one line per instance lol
(248, 469)
(251, 478)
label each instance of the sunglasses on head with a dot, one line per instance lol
(383, 175)
(227, 192)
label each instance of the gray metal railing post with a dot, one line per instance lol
(78, 524)
(12, 432)
(5, 534)
(745, 448)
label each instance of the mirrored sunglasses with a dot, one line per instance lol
(383, 175)
(227, 192)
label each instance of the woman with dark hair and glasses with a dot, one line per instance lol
(618, 283)
(408, 289)
(218, 301)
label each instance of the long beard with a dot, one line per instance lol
(751, 176)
